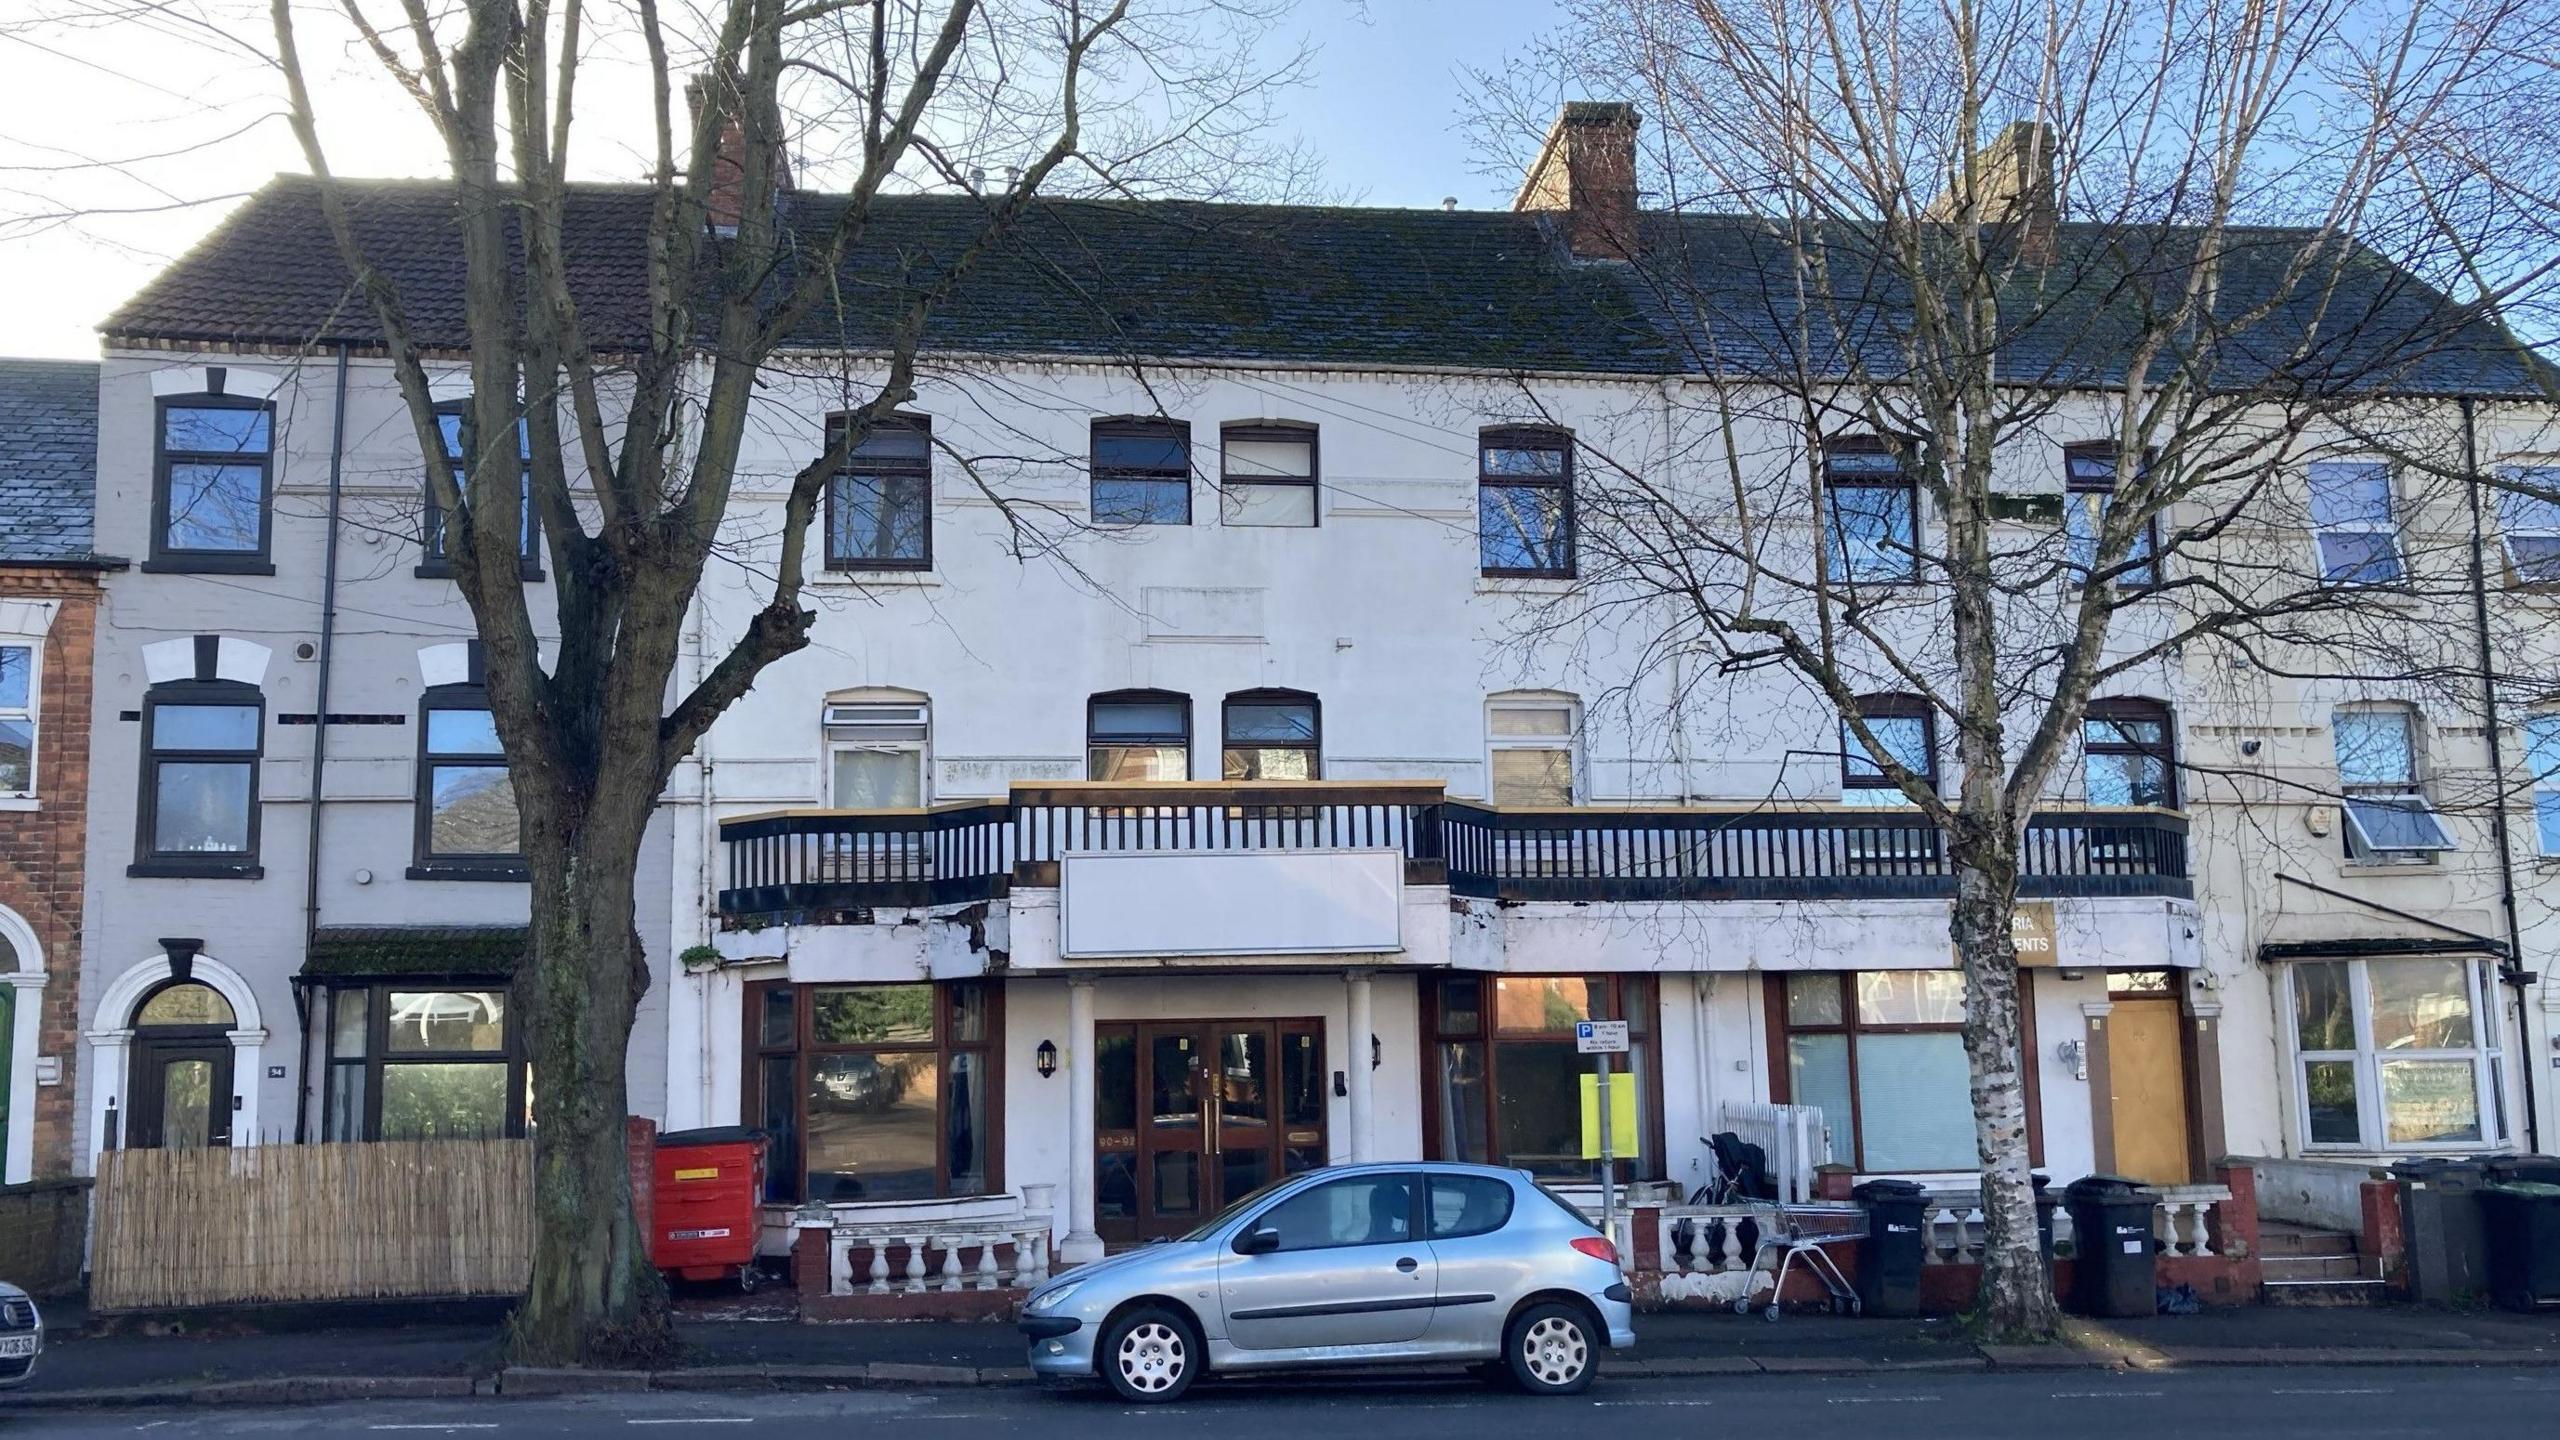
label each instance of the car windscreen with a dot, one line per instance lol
(1222, 1217)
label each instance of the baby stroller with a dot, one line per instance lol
(1742, 1172)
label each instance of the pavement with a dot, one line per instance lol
(2377, 1403)
(725, 1352)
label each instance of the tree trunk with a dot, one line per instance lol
(2015, 1304)
(594, 1299)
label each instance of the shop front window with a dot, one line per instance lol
(874, 1092)
(408, 1061)
(1881, 1052)
(1509, 1082)
(2395, 1054)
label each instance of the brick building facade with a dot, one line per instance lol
(49, 604)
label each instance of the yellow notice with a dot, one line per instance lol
(713, 1173)
(1622, 1115)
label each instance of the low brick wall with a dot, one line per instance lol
(44, 1234)
(809, 1276)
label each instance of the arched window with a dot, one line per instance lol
(468, 827)
(2129, 754)
(201, 740)
(1904, 726)
(1273, 735)
(1138, 735)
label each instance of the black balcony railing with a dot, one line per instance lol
(809, 866)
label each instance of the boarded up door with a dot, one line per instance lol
(2146, 1061)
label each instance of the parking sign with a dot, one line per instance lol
(1600, 1037)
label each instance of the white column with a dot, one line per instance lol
(1081, 1244)
(1356, 1065)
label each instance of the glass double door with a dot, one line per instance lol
(1192, 1114)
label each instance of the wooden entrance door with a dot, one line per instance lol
(1191, 1115)
(2147, 1071)
(181, 1094)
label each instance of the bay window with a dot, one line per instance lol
(875, 1092)
(2397, 1053)
(1509, 1086)
(1881, 1053)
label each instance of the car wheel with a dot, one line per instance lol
(1151, 1356)
(1551, 1350)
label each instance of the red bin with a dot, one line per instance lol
(703, 1221)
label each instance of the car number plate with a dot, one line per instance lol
(17, 1346)
(720, 1234)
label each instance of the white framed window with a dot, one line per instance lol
(2397, 1053)
(19, 658)
(2388, 817)
(2542, 752)
(876, 751)
(1267, 476)
(1531, 741)
(2529, 524)
(2353, 519)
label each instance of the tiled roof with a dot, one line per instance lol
(48, 458)
(1179, 280)
(428, 951)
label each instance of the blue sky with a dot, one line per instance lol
(1383, 109)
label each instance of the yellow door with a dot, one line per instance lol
(2147, 1065)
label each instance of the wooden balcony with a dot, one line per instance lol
(814, 866)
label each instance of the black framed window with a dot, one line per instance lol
(1874, 506)
(1881, 1053)
(1509, 1081)
(877, 1092)
(453, 423)
(1267, 476)
(1138, 735)
(214, 487)
(2090, 487)
(422, 1059)
(1273, 735)
(467, 823)
(1908, 731)
(2129, 754)
(1524, 502)
(880, 505)
(201, 742)
(1141, 472)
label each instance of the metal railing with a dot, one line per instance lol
(808, 865)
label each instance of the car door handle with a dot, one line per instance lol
(1407, 1265)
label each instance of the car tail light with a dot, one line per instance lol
(1596, 1247)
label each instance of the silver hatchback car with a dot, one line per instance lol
(1353, 1264)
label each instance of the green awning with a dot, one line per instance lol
(382, 952)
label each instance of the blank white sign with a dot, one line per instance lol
(1248, 902)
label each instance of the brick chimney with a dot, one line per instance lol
(2020, 199)
(1587, 170)
(726, 200)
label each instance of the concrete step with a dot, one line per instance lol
(2278, 1239)
(2313, 1267)
(2325, 1292)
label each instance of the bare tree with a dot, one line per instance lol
(632, 449)
(1923, 259)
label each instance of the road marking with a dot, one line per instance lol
(441, 1425)
(1650, 1404)
(696, 1420)
(1884, 1399)
(2108, 1394)
(2368, 1390)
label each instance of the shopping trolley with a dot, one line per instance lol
(1790, 1234)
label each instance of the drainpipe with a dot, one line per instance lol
(320, 744)
(2513, 972)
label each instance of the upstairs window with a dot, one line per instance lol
(2127, 754)
(1874, 506)
(1138, 735)
(468, 826)
(1904, 726)
(1267, 476)
(1272, 735)
(200, 749)
(453, 423)
(880, 505)
(876, 752)
(1524, 503)
(2351, 513)
(2530, 524)
(18, 718)
(2388, 817)
(2091, 487)
(215, 482)
(1532, 741)
(1141, 472)
(2542, 752)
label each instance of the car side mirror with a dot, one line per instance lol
(1258, 1242)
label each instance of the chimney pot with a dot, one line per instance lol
(2020, 198)
(1587, 171)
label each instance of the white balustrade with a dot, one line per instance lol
(2182, 1223)
(985, 1253)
